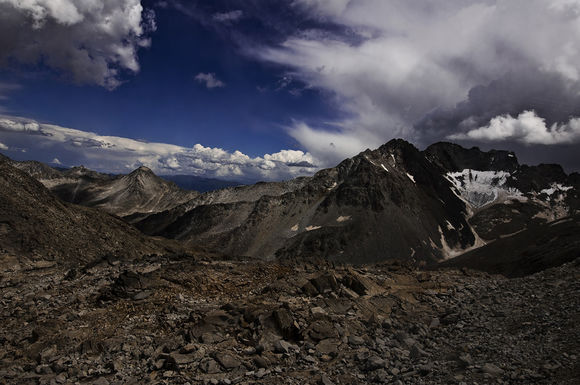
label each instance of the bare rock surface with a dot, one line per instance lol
(213, 321)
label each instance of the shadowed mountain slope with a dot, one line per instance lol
(138, 194)
(36, 224)
(395, 202)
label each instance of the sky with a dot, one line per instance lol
(253, 90)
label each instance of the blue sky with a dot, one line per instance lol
(260, 89)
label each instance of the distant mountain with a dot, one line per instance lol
(197, 183)
(393, 202)
(158, 222)
(34, 224)
(135, 195)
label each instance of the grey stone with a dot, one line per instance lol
(209, 366)
(324, 380)
(261, 362)
(286, 347)
(375, 362)
(492, 370)
(356, 340)
(227, 360)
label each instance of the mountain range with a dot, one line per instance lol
(395, 202)
(392, 203)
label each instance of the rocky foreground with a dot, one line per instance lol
(181, 319)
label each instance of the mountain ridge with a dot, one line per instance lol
(397, 178)
(394, 202)
(34, 224)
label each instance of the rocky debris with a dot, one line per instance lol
(245, 322)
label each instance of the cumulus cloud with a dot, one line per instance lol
(228, 17)
(386, 64)
(292, 157)
(209, 80)
(549, 95)
(20, 125)
(92, 41)
(3, 146)
(119, 154)
(526, 128)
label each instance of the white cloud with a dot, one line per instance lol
(394, 61)
(3, 146)
(89, 39)
(118, 154)
(227, 17)
(290, 157)
(56, 161)
(209, 80)
(527, 128)
(19, 125)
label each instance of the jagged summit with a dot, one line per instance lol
(395, 202)
(139, 193)
(142, 170)
(454, 157)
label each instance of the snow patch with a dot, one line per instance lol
(370, 161)
(450, 252)
(311, 228)
(411, 177)
(480, 188)
(343, 218)
(555, 187)
(384, 167)
(450, 226)
(294, 228)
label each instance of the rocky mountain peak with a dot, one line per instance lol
(143, 170)
(453, 157)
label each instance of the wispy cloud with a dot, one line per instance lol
(7, 88)
(228, 17)
(119, 154)
(209, 80)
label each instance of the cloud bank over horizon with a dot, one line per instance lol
(20, 137)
